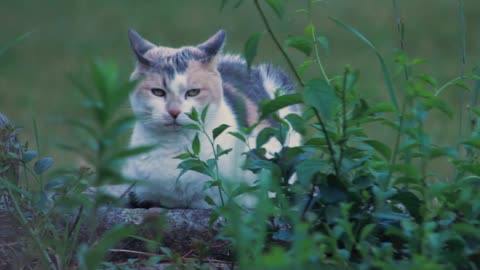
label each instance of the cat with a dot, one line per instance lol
(172, 81)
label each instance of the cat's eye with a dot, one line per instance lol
(192, 92)
(158, 92)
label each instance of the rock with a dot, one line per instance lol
(179, 229)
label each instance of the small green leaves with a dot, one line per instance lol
(308, 168)
(193, 115)
(382, 148)
(250, 48)
(219, 130)
(297, 123)
(238, 135)
(301, 43)
(323, 41)
(386, 72)
(277, 6)
(203, 116)
(265, 135)
(193, 165)
(196, 145)
(210, 201)
(183, 156)
(29, 155)
(268, 107)
(43, 165)
(320, 95)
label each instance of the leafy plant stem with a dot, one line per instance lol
(462, 67)
(401, 119)
(37, 142)
(309, 202)
(329, 142)
(315, 45)
(277, 43)
(344, 115)
(401, 32)
(440, 90)
(217, 172)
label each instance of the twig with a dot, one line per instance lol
(133, 252)
(344, 116)
(315, 45)
(75, 223)
(277, 43)
(328, 141)
(401, 32)
(309, 202)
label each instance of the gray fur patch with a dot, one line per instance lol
(235, 73)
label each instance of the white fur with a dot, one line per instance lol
(158, 171)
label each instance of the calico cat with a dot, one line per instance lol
(171, 82)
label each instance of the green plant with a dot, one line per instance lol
(358, 202)
(71, 195)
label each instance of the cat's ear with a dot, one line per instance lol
(140, 46)
(214, 44)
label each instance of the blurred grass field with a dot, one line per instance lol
(65, 36)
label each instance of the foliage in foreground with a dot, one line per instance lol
(358, 202)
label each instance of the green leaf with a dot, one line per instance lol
(297, 123)
(193, 165)
(183, 156)
(221, 151)
(250, 48)
(265, 135)
(210, 201)
(193, 115)
(308, 168)
(323, 42)
(380, 108)
(196, 145)
(411, 202)
(301, 43)
(380, 147)
(276, 5)
(43, 165)
(319, 95)
(29, 155)
(392, 216)
(213, 217)
(386, 73)
(268, 107)
(203, 116)
(191, 126)
(130, 152)
(167, 252)
(360, 183)
(219, 130)
(366, 231)
(238, 136)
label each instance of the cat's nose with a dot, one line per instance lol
(174, 113)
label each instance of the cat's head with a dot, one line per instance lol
(172, 81)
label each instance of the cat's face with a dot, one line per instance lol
(173, 81)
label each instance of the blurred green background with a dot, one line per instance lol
(66, 35)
